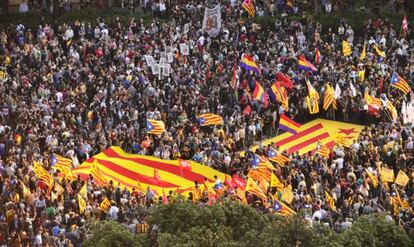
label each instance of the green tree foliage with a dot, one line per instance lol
(109, 233)
(375, 231)
(233, 224)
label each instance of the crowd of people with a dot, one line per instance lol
(75, 89)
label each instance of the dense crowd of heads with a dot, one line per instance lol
(77, 88)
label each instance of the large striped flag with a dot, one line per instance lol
(399, 82)
(184, 165)
(96, 173)
(329, 98)
(127, 169)
(249, 64)
(322, 150)
(288, 125)
(253, 188)
(155, 127)
(281, 209)
(304, 64)
(248, 5)
(157, 177)
(210, 119)
(346, 49)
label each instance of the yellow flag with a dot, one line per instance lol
(274, 182)
(374, 179)
(287, 194)
(83, 192)
(402, 178)
(363, 53)
(105, 205)
(59, 189)
(346, 48)
(253, 188)
(241, 195)
(82, 204)
(330, 201)
(378, 51)
(387, 175)
(361, 75)
(26, 191)
(209, 188)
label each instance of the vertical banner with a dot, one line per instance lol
(212, 20)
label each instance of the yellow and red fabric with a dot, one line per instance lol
(119, 166)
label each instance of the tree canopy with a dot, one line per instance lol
(233, 224)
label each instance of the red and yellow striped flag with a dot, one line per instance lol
(105, 205)
(210, 119)
(329, 98)
(322, 150)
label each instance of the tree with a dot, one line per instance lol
(109, 233)
(375, 230)
(181, 223)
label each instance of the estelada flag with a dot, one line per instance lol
(281, 209)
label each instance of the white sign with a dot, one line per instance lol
(155, 69)
(166, 69)
(212, 20)
(184, 49)
(170, 57)
(149, 59)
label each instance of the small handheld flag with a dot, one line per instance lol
(155, 127)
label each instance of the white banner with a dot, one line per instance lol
(212, 20)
